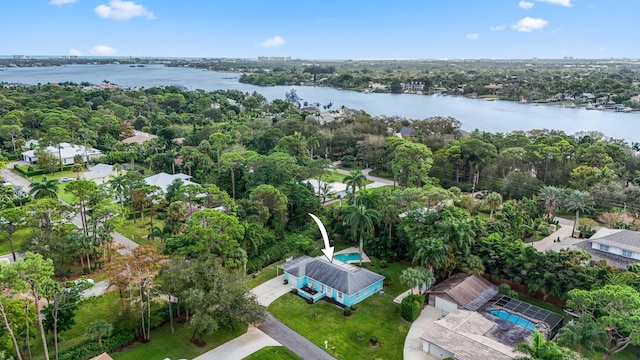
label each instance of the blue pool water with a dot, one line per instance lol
(347, 257)
(514, 319)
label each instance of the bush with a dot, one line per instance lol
(419, 298)
(373, 340)
(360, 335)
(505, 289)
(410, 309)
(346, 311)
(91, 348)
(384, 264)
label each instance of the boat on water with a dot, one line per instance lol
(622, 109)
(139, 65)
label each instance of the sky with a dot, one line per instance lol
(327, 29)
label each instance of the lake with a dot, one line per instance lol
(493, 116)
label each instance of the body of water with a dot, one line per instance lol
(492, 116)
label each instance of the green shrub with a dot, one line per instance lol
(417, 297)
(91, 348)
(373, 340)
(410, 309)
(505, 289)
(346, 311)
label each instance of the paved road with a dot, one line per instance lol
(240, 347)
(292, 340)
(365, 172)
(562, 233)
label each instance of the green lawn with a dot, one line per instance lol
(139, 231)
(273, 353)
(266, 274)
(393, 285)
(19, 237)
(376, 316)
(163, 344)
(331, 176)
(630, 353)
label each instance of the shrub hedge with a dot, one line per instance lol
(411, 306)
(90, 348)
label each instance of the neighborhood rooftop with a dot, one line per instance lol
(618, 237)
(469, 291)
(462, 333)
(341, 276)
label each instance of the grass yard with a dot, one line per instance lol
(630, 353)
(19, 237)
(376, 316)
(164, 345)
(139, 231)
(273, 353)
(393, 286)
(267, 273)
(332, 176)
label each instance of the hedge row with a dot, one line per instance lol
(27, 172)
(91, 348)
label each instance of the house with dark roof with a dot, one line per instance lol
(617, 247)
(461, 291)
(316, 278)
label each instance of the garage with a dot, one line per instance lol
(446, 306)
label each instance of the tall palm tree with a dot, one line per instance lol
(541, 349)
(355, 179)
(578, 201)
(45, 188)
(552, 197)
(252, 235)
(313, 143)
(362, 221)
(432, 253)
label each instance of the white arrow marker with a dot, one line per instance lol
(328, 250)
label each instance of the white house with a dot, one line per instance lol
(99, 173)
(65, 151)
(336, 189)
(163, 180)
(625, 243)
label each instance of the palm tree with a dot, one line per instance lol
(578, 200)
(409, 277)
(252, 235)
(543, 349)
(45, 188)
(419, 277)
(313, 144)
(432, 254)
(362, 221)
(355, 179)
(493, 201)
(552, 197)
(99, 330)
(581, 335)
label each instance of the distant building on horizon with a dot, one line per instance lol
(274, 58)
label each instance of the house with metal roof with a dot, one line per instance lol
(461, 291)
(316, 278)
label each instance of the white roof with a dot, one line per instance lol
(98, 171)
(66, 150)
(163, 180)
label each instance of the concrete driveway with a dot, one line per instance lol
(269, 291)
(413, 344)
(242, 346)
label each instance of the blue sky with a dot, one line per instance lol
(328, 29)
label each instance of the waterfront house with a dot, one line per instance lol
(316, 278)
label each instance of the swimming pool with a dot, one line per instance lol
(512, 318)
(347, 257)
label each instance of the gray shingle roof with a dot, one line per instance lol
(625, 239)
(469, 291)
(346, 278)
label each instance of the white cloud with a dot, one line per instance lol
(566, 3)
(497, 28)
(273, 42)
(74, 52)
(473, 36)
(525, 4)
(122, 10)
(61, 2)
(528, 24)
(102, 50)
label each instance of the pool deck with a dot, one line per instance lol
(351, 250)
